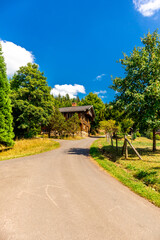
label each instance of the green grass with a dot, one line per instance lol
(141, 176)
(27, 147)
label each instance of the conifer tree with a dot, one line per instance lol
(6, 129)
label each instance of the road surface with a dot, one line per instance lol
(64, 195)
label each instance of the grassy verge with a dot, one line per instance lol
(28, 147)
(64, 138)
(141, 176)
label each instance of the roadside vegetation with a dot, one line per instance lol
(26, 147)
(141, 176)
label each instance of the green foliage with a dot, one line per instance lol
(73, 125)
(139, 90)
(138, 134)
(148, 177)
(65, 101)
(109, 127)
(6, 129)
(149, 135)
(113, 111)
(99, 107)
(56, 123)
(31, 100)
(134, 136)
(126, 125)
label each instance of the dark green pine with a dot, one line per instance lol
(6, 129)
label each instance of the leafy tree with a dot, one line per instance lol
(31, 100)
(109, 127)
(73, 124)
(139, 90)
(126, 125)
(113, 111)
(56, 123)
(99, 107)
(6, 129)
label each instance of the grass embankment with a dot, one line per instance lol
(28, 147)
(141, 176)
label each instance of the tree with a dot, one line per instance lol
(6, 129)
(56, 123)
(73, 124)
(31, 100)
(110, 128)
(99, 107)
(139, 90)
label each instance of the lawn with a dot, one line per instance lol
(141, 176)
(28, 147)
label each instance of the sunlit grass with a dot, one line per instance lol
(27, 147)
(142, 176)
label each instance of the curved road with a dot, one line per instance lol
(63, 195)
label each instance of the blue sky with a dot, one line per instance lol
(76, 43)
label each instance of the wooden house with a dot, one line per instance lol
(86, 115)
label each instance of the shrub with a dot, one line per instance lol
(134, 136)
(138, 134)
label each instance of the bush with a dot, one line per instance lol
(138, 134)
(134, 136)
(149, 135)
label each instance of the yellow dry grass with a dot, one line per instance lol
(27, 147)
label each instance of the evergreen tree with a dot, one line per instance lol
(56, 123)
(73, 125)
(6, 130)
(99, 107)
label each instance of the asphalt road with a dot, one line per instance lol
(64, 195)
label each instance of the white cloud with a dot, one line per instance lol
(71, 90)
(101, 92)
(100, 77)
(15, 56)
(147, 7)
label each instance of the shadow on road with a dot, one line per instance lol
(79, 151)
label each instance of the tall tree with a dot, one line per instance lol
(57, 123)
(73, 125)
(139, 90)
(31, 99)
(6, 129)
(99, 107)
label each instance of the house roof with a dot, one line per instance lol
(78, 109)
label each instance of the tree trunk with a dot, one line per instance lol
(112, 141)
(154, 140)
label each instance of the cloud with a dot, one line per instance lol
(101, 92)
(15, 56)
(147, 7)
(100, 77)
(71, 90)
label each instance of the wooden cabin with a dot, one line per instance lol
(86, 115)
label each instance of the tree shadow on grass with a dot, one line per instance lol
(114, 155)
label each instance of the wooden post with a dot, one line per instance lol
(133, 148)
(154, 140)
(116, 144)
(123, 147)
(126, 150)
